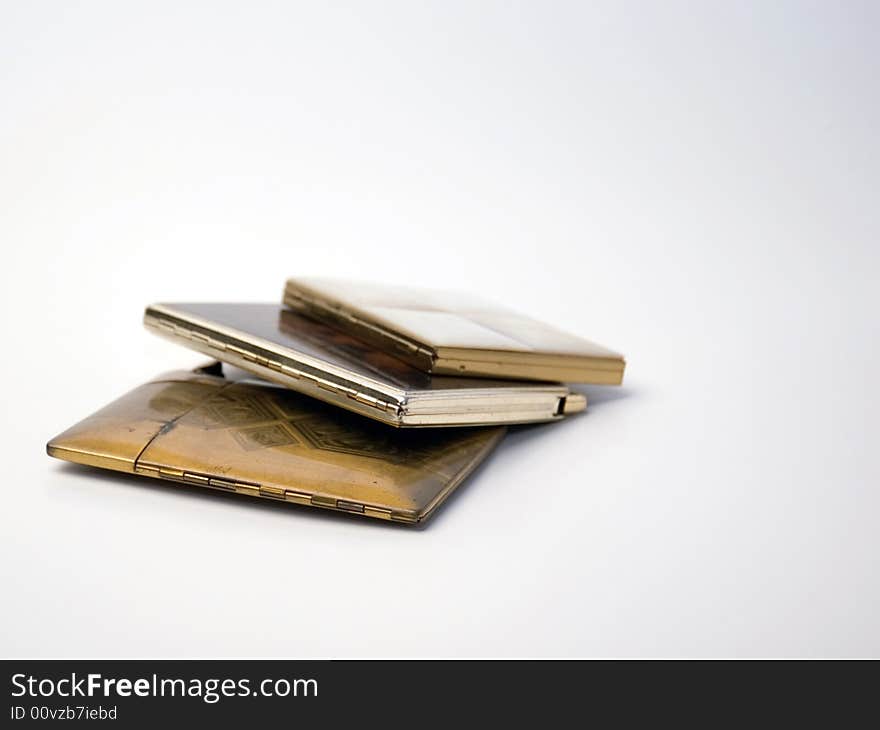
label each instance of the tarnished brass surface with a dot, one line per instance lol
(266, 441)
(450, 333)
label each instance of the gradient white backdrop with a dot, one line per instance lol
(694, 184)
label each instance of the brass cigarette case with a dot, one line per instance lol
(451, 333)
(278, 344)
(242, 436)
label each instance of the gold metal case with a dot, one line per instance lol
(280, 345)
(262, 440)
(450, 333)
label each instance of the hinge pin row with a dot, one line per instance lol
(269, 492)
(287, 370)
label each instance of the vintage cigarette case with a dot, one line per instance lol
(282, 346)
(450, 333)
(264, 440)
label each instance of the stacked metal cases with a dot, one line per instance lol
(365, 399)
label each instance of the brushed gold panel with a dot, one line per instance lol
(450, 333)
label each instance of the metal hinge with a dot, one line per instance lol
(181, 331)
(265, 491)
(202, 480)
(277, 366)
(369, 400)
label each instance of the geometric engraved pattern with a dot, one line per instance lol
(264, 436)
(274, 418)
(375, 441)
(236, 409)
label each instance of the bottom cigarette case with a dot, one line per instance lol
(236, 434)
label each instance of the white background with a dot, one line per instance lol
(694, 184)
